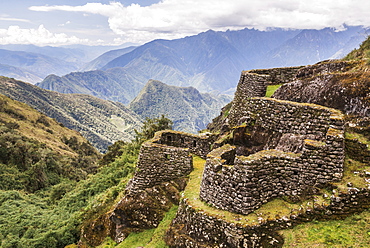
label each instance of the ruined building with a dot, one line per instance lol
(265, 149)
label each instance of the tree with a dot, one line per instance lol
(151, 126)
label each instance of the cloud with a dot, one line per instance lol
(40, 36)
(13, 19)
(63, 24)
(173, 18)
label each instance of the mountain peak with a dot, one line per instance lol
(189, 109)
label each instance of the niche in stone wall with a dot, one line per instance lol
(252, 137)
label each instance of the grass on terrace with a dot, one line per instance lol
(271, 89)
(276, 208)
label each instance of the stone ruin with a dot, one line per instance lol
(279, 148)
(273, 148)
(168, 156)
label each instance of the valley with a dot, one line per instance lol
(234, 139)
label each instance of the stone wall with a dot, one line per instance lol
(159, 163)
(278, 75)
(252, 85)
(242, 184)
(167, 157)
(197, 144)
(285, 116)
(194, 228)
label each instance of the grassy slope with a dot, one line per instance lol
(50, 215)
(271, 89)
(353, 231)
(36, 125)
(101, 122)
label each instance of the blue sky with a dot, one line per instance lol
(109, 22)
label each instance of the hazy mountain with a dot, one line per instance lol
(114, 84)
(66, 54)
(18, 73)
(311, 46)
(78, 54)
(207, 61)
(101, 122)
(37, 64)
(103, 59)
(189, 109)
(212, 61)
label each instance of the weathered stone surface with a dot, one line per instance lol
(275, 139)
(144, 209)
(323, 84)
(197, 228)
(324, 67)
(278, 75)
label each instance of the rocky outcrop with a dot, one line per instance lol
(331, 85)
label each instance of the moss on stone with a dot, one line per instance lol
(268, 154)
(314, 143)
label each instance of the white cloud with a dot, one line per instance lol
(175, 18)
(13, 19)
(63, 24)
(40, 36)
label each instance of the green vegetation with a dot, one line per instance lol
(44, 200)
(271, 89)
(363, 52)
(151, 126)
(152, 238)
(32, 157)
(51, 217)
(354, 231)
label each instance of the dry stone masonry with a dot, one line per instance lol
(278, 75)
(168, 157)
(302, 147)
(194, 228)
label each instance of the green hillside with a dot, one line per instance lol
(99, 121)
(52, 216)
(37, 152)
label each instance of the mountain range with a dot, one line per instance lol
(32, 64)
(212, 61)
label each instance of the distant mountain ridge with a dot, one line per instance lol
(37, 65)
(101, 122)
(32, 64)
(212, 61)
(105, 58)
(108, 85)
(189, 109)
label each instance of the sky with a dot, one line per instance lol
(109, 22)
